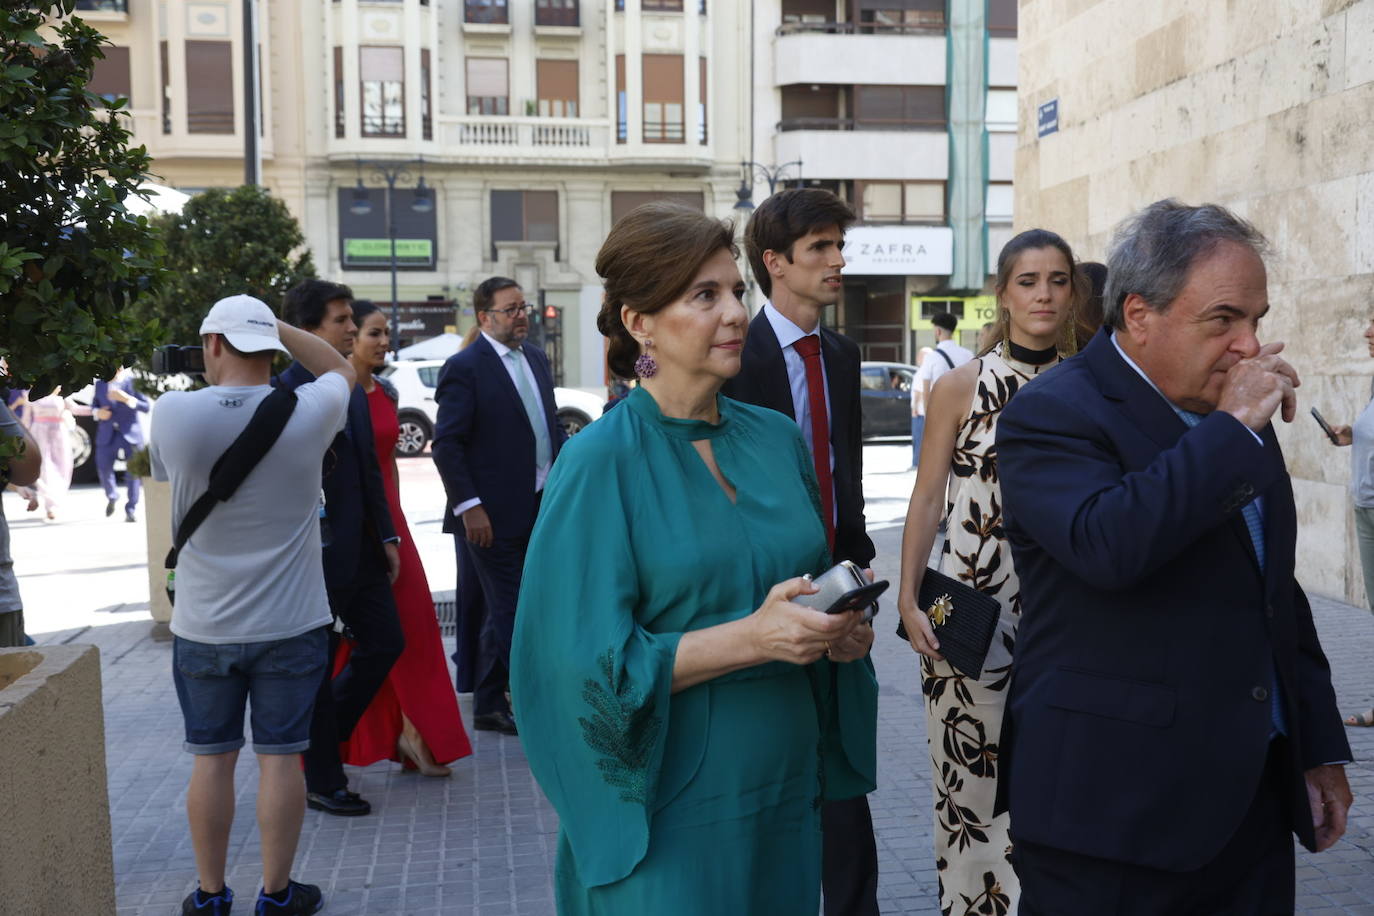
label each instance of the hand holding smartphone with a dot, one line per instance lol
(1326, 427)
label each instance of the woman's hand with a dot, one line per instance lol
(854, 645)
(919, 631)
(787, 632)
(1344, 435)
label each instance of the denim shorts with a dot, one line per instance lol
(215, 682)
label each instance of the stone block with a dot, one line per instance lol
(1322, 546)
(55, 850)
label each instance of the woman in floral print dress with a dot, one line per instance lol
(1036, 293)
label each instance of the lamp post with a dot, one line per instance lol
(770, 173)
(391, 171)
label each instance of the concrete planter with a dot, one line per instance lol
(157, 520)
(55, 852)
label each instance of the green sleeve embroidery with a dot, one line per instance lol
(623, 729)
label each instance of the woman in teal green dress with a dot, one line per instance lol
(684, 717)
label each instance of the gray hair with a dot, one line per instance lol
(1153, 251)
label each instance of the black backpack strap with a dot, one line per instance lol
(243, 454)
(946, 357)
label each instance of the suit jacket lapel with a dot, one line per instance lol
(496, 368)
(1133, 396)
(768, 368)
(543, 378)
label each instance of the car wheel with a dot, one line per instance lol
(413, 438)
(574, 421)
(83, 451)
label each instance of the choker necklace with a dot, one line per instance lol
(1032, 357)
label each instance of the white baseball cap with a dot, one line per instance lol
(245, 322)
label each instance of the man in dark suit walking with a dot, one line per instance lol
(794, 366)
(1171, 722)
(361, 558)
(116, 406)
(496, 438)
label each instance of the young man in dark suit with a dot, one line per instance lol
(793, 365)
(361, 558)
(496, 438)
(1170, 719)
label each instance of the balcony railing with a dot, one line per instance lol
(858, 28)
(487, 12)
(556, 13)
(103, 6)
(536, 137)
(787, 124)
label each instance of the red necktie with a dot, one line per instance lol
(809, 348)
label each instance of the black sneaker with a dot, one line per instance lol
(300, 898)
(110, 507)
(340, 802)
(218, 905)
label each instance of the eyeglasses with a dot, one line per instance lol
(511, 311)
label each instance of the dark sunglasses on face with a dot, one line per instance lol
(511, 311)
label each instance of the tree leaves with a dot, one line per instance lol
(224, 242)
(71, 256)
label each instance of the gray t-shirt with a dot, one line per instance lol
(1362, 458)
(9, 586)
(252, 571)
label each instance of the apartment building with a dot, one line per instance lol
(907, 109)
(521, 129)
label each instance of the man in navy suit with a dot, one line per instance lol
(794, 241)
(1171, 722)
(496, 438)
(361, 558)
(118, 434)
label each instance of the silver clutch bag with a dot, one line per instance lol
(836, 582)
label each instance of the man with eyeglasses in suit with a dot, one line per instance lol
(495, 441)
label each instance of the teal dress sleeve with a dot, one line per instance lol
(589, 685)
(846, 693)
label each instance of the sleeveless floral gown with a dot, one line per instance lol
(963, 715)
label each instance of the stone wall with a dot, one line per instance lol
(1267, 107)
(55, 853)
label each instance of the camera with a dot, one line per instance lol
(171, 360)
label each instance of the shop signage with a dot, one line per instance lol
(899, 250)
(377, 252)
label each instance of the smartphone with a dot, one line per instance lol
(859, 599)
(843, 587)
(1326, 427)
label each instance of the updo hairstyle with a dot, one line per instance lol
(649, 260)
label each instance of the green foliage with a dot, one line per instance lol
(72, 258)
(224, 242)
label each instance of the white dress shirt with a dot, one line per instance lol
(541, 473)
(788, 334)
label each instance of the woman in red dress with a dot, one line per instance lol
(414, 717)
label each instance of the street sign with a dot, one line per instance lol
(1047, 120)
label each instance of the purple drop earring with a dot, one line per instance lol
(645, 367)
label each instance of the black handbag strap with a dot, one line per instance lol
(946, 357)
(242, 455)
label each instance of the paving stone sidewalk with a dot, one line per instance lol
(482, 842)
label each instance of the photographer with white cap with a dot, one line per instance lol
(251, 613)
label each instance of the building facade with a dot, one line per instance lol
(907, 109)
(1266, 111)
(533, 125)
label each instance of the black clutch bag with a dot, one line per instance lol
(964, 620)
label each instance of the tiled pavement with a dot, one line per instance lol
(482, 842)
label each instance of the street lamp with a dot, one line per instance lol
(392, 171)
(771, 174)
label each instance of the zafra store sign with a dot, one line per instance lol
(899, 251)
(363, 241)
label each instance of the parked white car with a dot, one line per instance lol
(416, 379)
